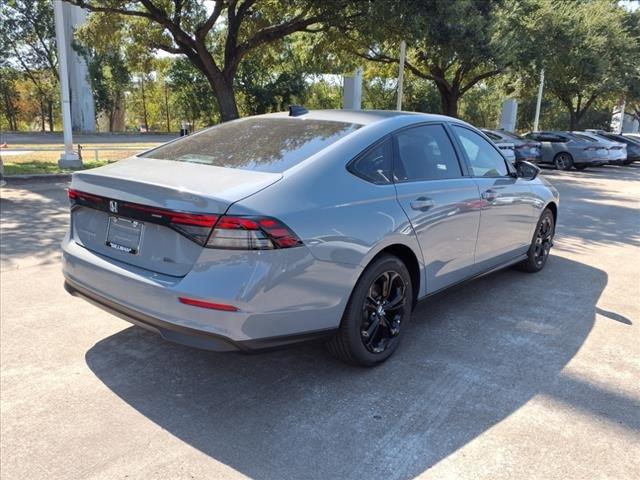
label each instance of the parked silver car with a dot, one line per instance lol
(565, 150)
(617, 150)
(275, 229)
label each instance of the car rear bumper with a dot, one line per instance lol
(282, 296)
(189, 336)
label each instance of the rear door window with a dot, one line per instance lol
(425, 153)
(262, 144)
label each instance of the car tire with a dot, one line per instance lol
(563, 161)
(541, 244)
(369, 333)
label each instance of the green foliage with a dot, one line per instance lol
(455, 45)
(464, 58)
(109, 77)
(9, 98)
(27, 45)
(588, 50)
(193, 99)
(265, 90)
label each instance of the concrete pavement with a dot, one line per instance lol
(511, 376)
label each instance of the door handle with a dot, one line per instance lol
(489, 195)
(422, 203)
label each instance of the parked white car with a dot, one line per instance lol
(508, 149)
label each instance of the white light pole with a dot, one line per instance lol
(69, 159)
(623, 104)
(536, 121)
(403, 48)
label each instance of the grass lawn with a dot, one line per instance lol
(35, 161)
(33, 167)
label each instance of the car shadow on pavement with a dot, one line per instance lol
(473, 356)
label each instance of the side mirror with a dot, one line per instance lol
(527, 170)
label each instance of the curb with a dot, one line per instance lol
(37, 178)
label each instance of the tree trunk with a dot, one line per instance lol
(223, 90)
(50, 112)
(42, 115)
(226, 100)
(573, 120)
(166, 107)
(449, 98)
(144, 105)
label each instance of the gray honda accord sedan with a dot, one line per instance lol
(275, 229)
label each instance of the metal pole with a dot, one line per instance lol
(403, 47)
(68, 159)
(536, 121)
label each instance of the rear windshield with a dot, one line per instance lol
(511, 135)
(492, 136)
(262, 144)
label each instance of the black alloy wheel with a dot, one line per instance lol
(376, 315)
(541, 244)
(382, 312)
(563, 161)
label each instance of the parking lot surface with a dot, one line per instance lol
(511, 376)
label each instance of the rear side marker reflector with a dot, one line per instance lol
(202, 304)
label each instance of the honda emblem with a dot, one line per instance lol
(113, 206)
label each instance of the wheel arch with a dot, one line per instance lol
(554, 209)
(410, 259)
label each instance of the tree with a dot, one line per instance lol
(455, 45)
(27, 36)
(632, 80)
(271, 89)
(109, 77)
(8, 96)
(217, 41)
(101, 44)
(193, 99)
(588, 50)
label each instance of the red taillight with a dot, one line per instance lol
(213, 231)
(195, 219)
(77, 194)
(202, 304)
(252, 233)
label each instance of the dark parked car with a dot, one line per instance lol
(565, 150)
(524, 148)
(633, 146)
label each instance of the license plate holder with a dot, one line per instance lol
(124, 235)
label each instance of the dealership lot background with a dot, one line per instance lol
(511, 376)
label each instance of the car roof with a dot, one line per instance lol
(366, 117)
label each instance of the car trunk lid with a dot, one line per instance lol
(156, 214)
